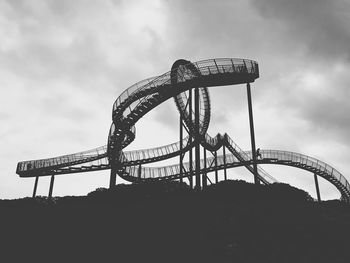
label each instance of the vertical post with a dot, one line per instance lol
(317, 188)
(114, 167)
(225, 170)
(190, 178)
(113, 176)
(51, 185)
(139, 172)
(35, 185)
(252, 136)
(181, 154)
(216, 167)
(197, 139)
(204, 176)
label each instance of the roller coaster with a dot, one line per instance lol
(188, 84)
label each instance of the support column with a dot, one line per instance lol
(51, 185)
(225, 170)
(204, 175)
(216, 167)
(139, 172)
(317, 188)
(114, 168)
(252, 135)
(197, 139)
(190, 178)
(181, 148)
(35, 185)
(113, 177)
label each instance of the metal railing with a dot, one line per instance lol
(64, 160)
(136, 94)
(247, 156)
(267, 156)
(319, 166)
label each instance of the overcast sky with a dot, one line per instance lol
(63, 63)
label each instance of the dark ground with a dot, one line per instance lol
(232, 221)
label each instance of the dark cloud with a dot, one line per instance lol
(319, 26)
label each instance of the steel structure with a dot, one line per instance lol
(187, 83)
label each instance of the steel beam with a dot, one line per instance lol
(51, 185)
(252, 135)
(181, 154)
(317, 188)
(35, 185)
(224, 153)
(113, 176)
(190, 178)
(197, 139)
(139, 172)
(204, 175)
(114, 168)
(216, 167)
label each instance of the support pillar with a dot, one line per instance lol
(139, 172)
(204, 176)
(190, 178)
(216, 167)
(317, 188)
(113, 177)
(252, 135)
(51, 185)
(225, 170)
(197, 139)
(181, 148)
(35, 186)
(114, 168)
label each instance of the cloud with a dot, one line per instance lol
(327, 107)
(62, 65)
(319, 26)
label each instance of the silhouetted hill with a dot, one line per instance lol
(231, 221)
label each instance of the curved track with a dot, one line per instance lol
(144, 96)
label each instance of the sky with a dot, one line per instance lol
(63, 64)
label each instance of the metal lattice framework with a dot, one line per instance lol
(179, 83)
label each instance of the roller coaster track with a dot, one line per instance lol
(144, 96)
